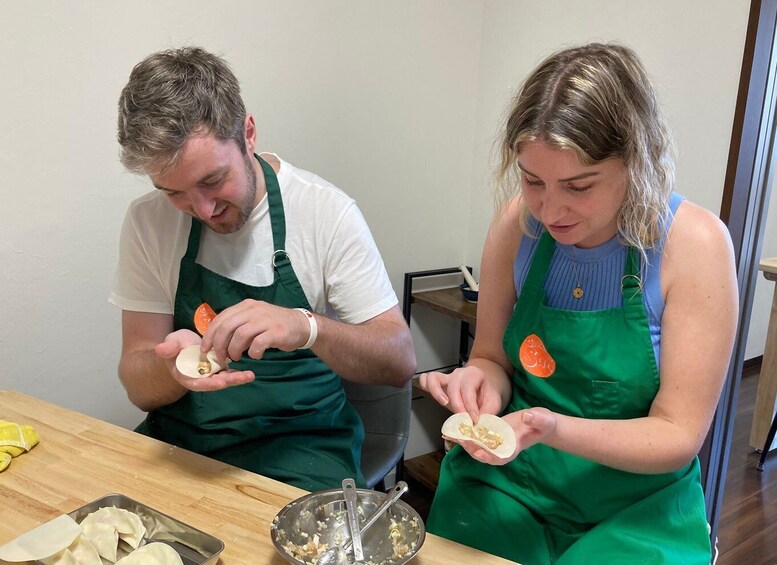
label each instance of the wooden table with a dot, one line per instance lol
(767, 382)
(80, 459)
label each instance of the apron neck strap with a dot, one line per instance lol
(275, 203)
(631, 283)
(280, 259)
(193, 247)
(540, 265)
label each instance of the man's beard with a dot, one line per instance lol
(246, 206)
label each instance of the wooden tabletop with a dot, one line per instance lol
(80, 459)
(769, 267)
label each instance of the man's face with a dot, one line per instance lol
(212, 181)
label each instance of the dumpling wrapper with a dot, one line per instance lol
(189, 359)
(155, 553)
(43, 541)
(452, 432)
(80, 552)
(64, 557)
(127, 524)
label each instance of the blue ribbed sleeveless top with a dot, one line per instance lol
(599, 270)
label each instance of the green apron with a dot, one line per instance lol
(293, 422)
(548, 506)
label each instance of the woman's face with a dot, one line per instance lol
(578, 204)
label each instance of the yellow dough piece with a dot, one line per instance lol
(5, 460)
(15, 440)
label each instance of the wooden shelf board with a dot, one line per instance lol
(448, 301)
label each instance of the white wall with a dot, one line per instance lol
(378, 98)
(396, 102)
(692, 51)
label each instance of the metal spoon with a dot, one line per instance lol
(339, 555)
(349, 491)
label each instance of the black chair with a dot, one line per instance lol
(767, 444)
(385, 412)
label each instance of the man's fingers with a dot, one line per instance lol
(219, 381)
(167, 349)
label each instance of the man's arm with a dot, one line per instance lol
(147, 364)
(144, 374)
(379, 350)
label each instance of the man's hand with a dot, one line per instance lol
(172, 346)
(255, 326)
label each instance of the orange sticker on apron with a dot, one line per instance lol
(535, 358)
(203, 316)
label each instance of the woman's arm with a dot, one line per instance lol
(484, 385)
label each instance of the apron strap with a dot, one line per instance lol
(280, 259)
(193, 247)
(534, 283)
(631, 283)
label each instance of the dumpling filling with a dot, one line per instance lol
(482, 434)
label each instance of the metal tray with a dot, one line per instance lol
(194, 546)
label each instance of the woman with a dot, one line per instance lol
(606, 320)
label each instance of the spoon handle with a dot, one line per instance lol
(391, 497)
(349, 491)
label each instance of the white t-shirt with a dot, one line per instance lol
(327, 239)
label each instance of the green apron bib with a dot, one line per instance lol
(548, 506)
(293, 422)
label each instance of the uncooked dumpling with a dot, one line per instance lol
(491, 432)
(193, 363)
(156, 553)
(127, 524)
(43, 541)
(104, 538)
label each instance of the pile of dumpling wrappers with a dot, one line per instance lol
(108, 535)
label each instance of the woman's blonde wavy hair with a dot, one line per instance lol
(597, 101)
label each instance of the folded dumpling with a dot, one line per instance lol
(104, 537)
(128, 525)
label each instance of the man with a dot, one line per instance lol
(284, 258)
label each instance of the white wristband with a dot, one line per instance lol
(313, 328)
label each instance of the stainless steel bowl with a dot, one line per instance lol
(306, 527)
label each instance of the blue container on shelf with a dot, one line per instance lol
(468, 294)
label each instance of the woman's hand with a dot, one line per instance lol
(464, 390)
(172, 346)
(531, 426)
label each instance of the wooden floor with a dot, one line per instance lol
(747, 531)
